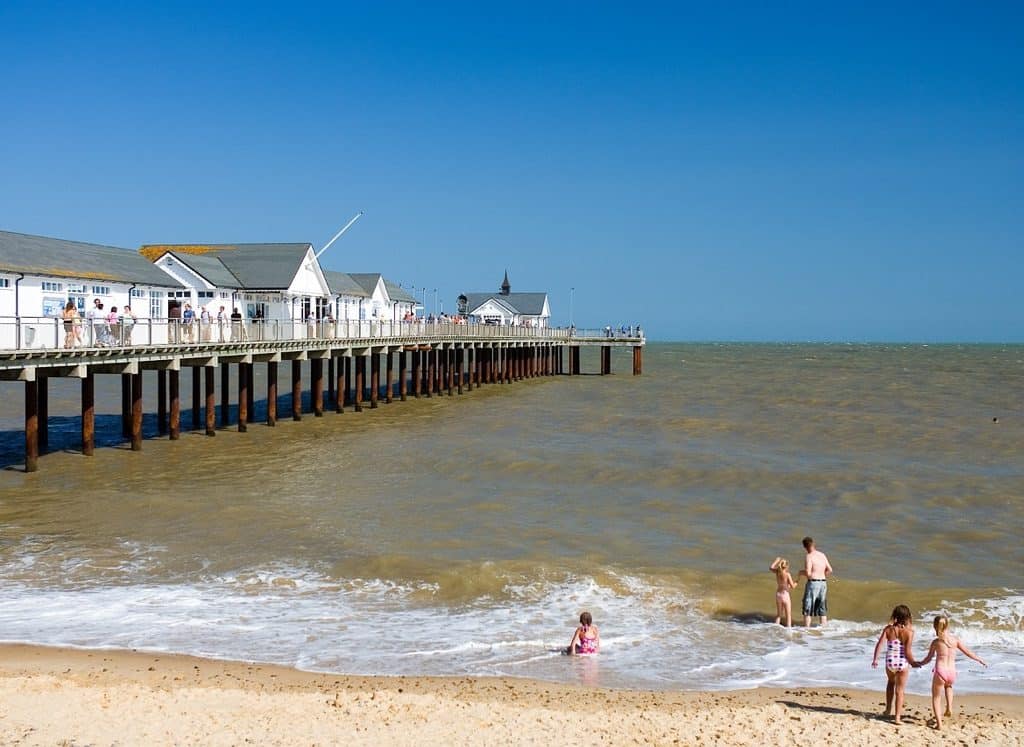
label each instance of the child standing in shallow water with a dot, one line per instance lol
(898, 636)
(944, 649)
(784, 582)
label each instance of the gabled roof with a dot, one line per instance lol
(398, 293)
(210, 268)
(253, 266)
(342, 284)
(529, 304)
(367, 280)
(41, 255)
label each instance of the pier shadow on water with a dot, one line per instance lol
(65, 431)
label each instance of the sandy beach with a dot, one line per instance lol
(65, 696)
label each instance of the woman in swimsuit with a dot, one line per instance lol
(783, 583)
(897, 636)
(944, 649)
(586, 639)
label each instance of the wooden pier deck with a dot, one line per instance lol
(350, 365)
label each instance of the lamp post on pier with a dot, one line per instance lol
(572, 294)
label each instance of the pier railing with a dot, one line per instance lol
(51, 333)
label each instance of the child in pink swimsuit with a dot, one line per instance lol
(944, 649)
(897, 636)
(586, 639)
(784, 582)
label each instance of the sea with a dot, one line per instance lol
(464, 535)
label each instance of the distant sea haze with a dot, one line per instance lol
(465, 535)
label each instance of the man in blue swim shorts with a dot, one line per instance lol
(817, 569)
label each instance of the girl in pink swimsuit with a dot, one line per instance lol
(897, 636)
(944, 649)
(783, 583)
(586, 639)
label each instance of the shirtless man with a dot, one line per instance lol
(816, 569)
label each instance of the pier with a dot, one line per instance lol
(351, 365)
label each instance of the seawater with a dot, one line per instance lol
(463, 536)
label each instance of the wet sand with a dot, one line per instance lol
(68, 696)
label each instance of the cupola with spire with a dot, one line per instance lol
(506, 287)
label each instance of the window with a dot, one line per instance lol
(139, 293)
(77, 288)
(156, 304)
(51, 286)
(204, 294)
(101, 290)
(5, 282)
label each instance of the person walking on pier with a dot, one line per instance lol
(205, 324)
(222, 323)
(188, 318)
(71, 320)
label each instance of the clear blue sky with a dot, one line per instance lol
(764, 172)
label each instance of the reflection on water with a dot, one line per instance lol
(495, 517)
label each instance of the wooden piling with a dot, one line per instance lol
(225, 393)
(638, 360)
(460, 372)
(250, 393)
(296, 390)
(161, 402)
(330, 382)
(374, 379)
(417, 376)
(272, 393)
(196, 397)
(137, 411)
(44, 413)
(389, 373)
(243, 397)
(174, 384)
(88, 413)
(31, 426)
(431, 379)
(403, 384)
(339, 388)
(449, 370)
(360, 363)
(211, 401)
(126, 405)
(347, 397)
(316, 374)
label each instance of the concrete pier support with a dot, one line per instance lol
(272, 393)
(606, 360)
(316, 375)
(88, 414)
(389, 375)
(296, 390)
(137, 411)
(243, 397)
(174, 417)
(211, 401)
(161, 402)
(32, 426)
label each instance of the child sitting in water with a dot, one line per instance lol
(784, 582)
(944, 649)
(586, 639)
(898, 635)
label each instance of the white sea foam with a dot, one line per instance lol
(652, 637)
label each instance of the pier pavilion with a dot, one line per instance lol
(352, 364)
